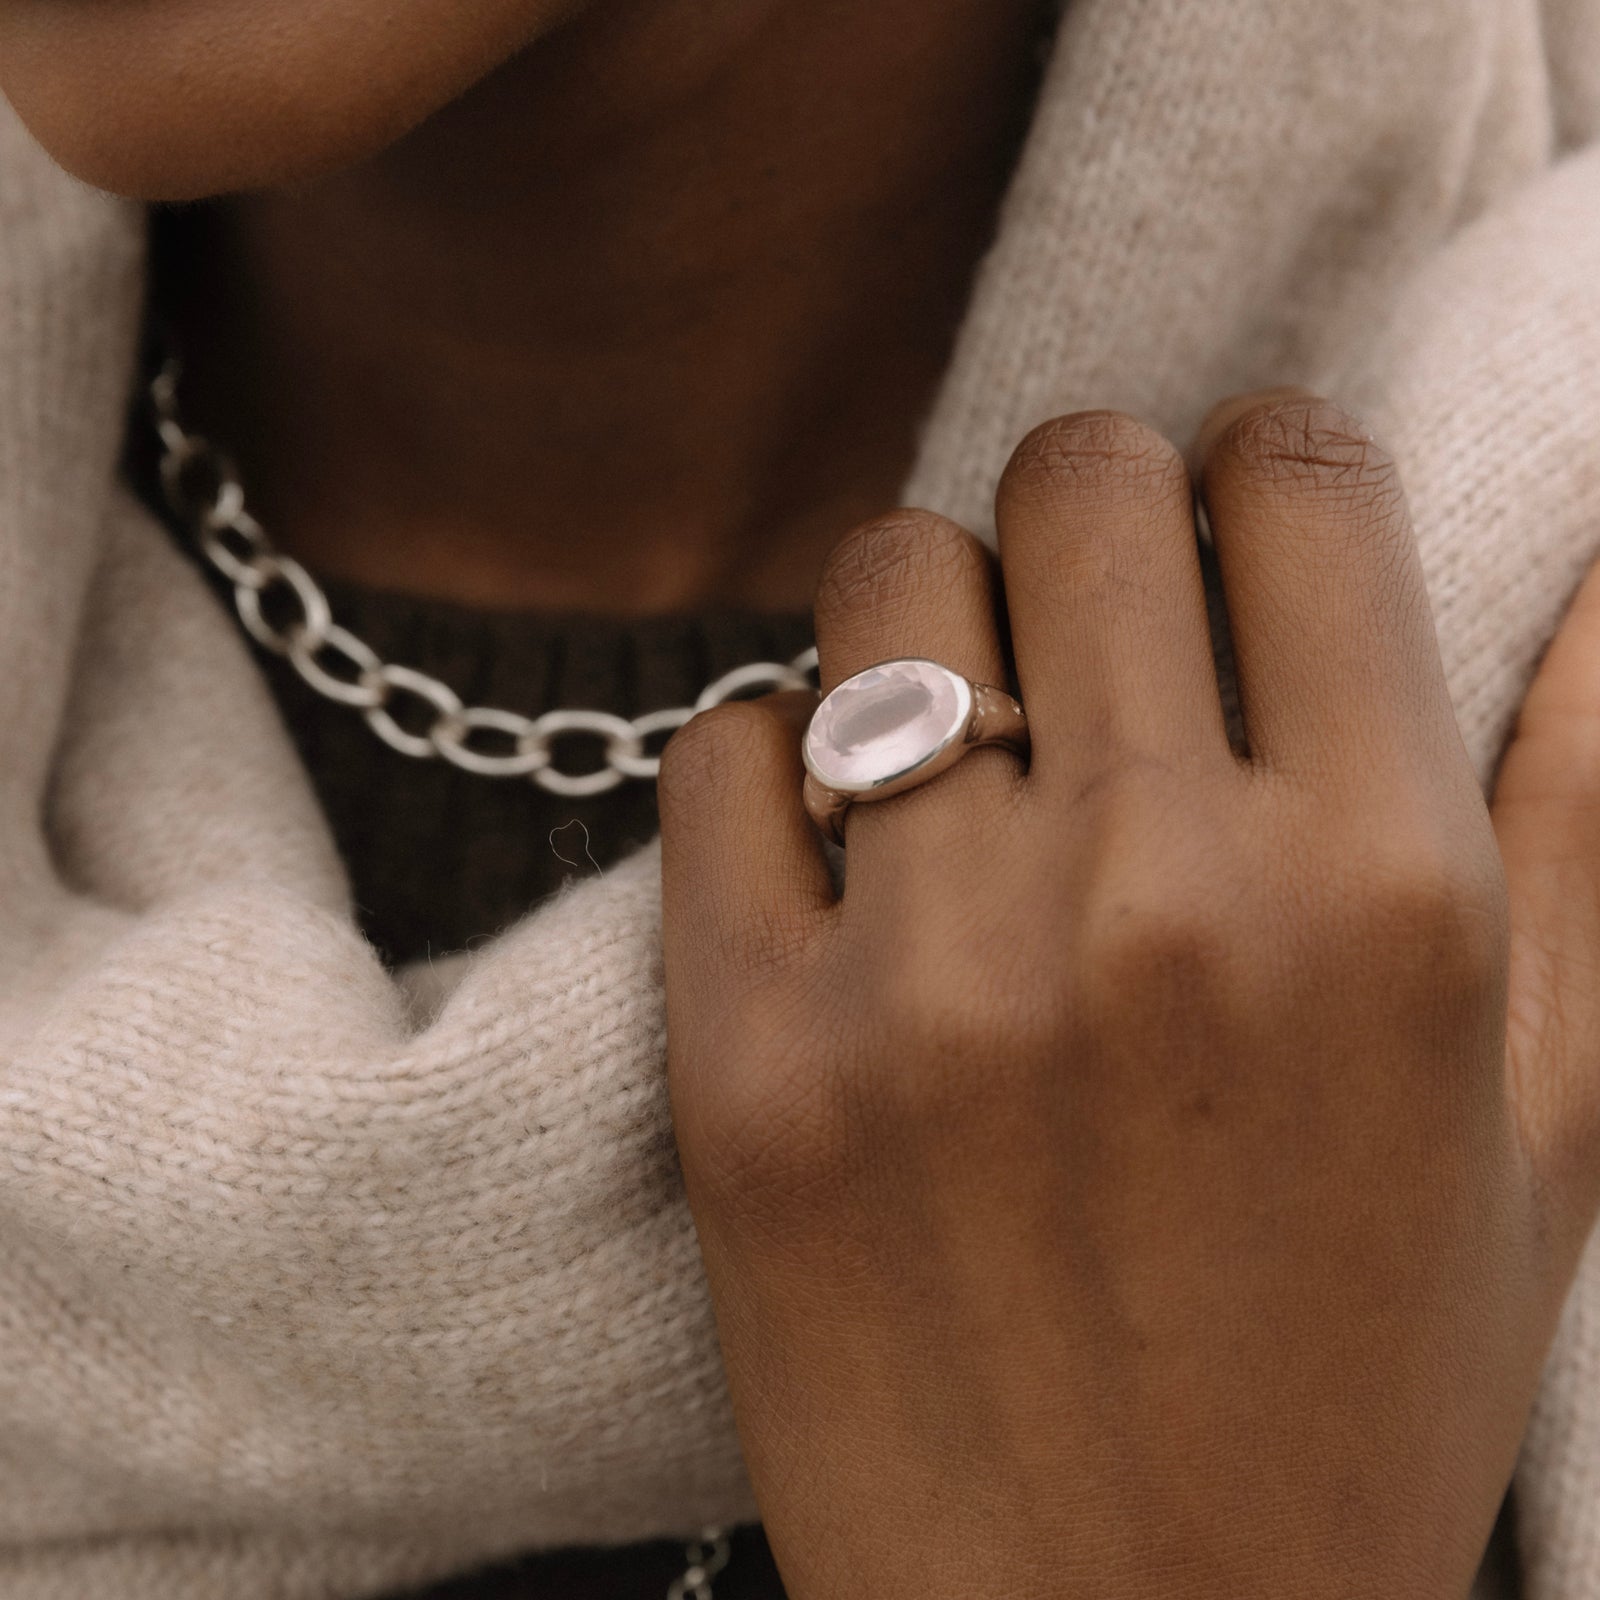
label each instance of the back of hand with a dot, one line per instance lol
(1159, 1172)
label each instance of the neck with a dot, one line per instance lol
(643, 323)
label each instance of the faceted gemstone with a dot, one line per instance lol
(884, 722)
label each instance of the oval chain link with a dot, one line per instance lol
(707, 1557)
(203, 488)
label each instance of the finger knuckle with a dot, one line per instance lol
(1098, 454)
(1457, 919)
(940, 1035)
(709, 747)
(881, 561)
(1307, 446)
(951, 1062)
(1168, 944)
(948, 1019)
(1415, 904)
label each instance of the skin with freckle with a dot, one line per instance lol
(174, 99)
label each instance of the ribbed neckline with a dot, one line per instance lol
(536, 661)
(439, 859)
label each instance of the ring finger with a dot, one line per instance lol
(915, 584)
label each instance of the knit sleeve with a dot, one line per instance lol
(298, 1297)
(1484, 379)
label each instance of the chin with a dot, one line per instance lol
(187, 99)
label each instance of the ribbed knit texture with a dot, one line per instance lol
(303, 1297)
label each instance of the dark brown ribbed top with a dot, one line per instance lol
(440, 858)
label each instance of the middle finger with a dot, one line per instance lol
(1106, 599)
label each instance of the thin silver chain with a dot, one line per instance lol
(203, 489)
(707, 1556)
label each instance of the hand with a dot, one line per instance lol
(1137, 1183)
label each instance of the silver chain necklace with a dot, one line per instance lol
(203, 489)
(707, 1556)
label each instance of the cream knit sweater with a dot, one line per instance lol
(302, 1295)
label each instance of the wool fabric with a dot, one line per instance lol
(314, 1280)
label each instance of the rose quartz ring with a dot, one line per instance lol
(893, 727)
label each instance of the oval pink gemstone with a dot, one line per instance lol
(884, 722)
